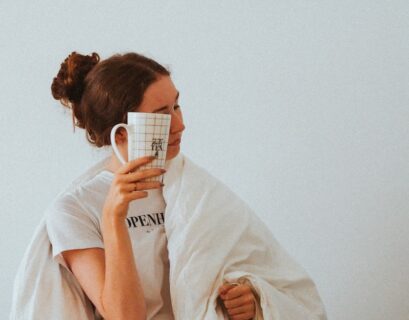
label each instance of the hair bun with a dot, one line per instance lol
(68, 85)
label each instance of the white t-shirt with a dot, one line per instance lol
(74, 222)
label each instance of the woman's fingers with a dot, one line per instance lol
(238, 291)
(139, 186)
(237, 302)
(243, 316)
(134, 164)
(239, 310)
(143, 174)
(136, 190)
(223, 289)
(135, 195)
(129, 173)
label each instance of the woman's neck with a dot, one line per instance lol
(113, 163)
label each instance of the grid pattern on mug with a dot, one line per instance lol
(150, 136)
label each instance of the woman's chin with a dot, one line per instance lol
(172, 152)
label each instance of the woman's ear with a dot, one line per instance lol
(121, 136)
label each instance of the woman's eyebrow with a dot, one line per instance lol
(165, 107)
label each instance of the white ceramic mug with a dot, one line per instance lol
(148, 135)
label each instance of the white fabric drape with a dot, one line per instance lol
(213, 237)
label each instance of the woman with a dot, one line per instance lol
(98, 230)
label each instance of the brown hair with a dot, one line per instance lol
(101, 93)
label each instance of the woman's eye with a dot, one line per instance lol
(177, 106)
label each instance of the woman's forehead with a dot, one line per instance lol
(159, 94)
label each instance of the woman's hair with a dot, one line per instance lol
(101, 93)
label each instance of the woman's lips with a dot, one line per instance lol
(175, 143)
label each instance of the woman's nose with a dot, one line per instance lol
(176, 123)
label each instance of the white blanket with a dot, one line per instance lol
(213, 237)
(43, 289)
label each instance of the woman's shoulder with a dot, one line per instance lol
(68, 200)
(79, 191)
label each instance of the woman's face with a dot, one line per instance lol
(162, 97)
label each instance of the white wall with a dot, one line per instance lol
(301, 107)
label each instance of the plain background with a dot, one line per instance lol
(301, 107)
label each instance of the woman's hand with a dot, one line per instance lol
(128, 185)
(239, 301)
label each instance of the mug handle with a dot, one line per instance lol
(113, 143)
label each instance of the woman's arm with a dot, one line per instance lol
(109, 277)
(122, 296)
